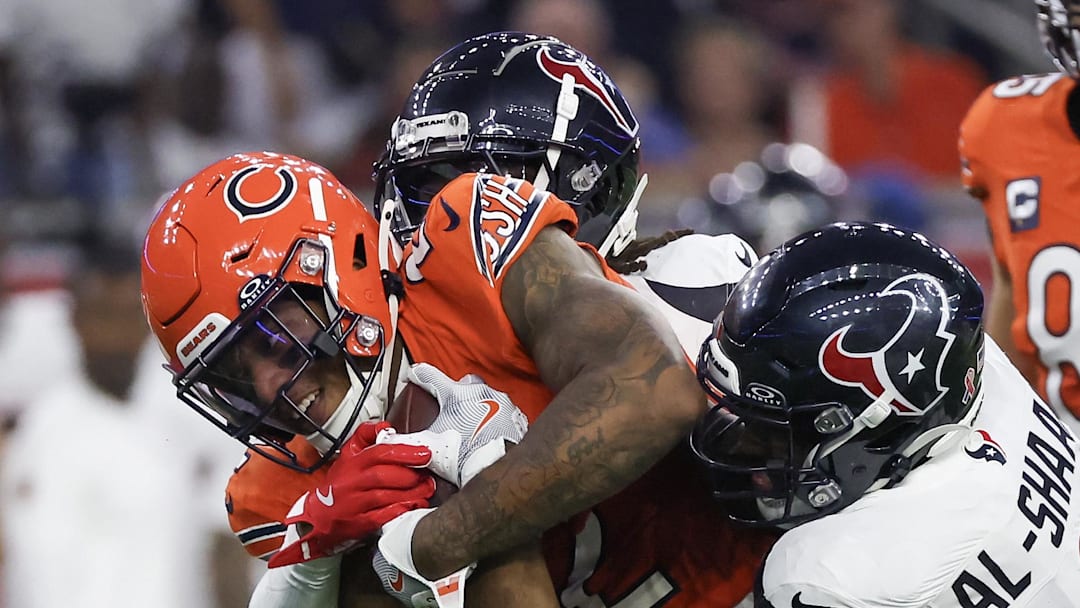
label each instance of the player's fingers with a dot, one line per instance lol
(386, 514)
(364, 436)
(391, 453)
(389, 477)
(376, 500)
(429, 377)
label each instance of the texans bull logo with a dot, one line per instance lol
(585, 77)
(982, 446)
(905, 371)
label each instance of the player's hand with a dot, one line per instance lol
(366, 487)
(393, 563)
(409, 591)
(474, 423)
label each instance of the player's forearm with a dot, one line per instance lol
(596, 437)
(625, 395)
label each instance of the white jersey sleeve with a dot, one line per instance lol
(689, 280)
(991, 522)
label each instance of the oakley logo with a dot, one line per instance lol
(765, 394)
(257, 191)
(254, 288)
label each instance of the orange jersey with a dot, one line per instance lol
(260, 494)
(1022, 158)
(660, 541)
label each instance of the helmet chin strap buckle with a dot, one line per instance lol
(824, 494)
(833, 420)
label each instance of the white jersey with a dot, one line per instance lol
(95, 513)
(990, 523)
(689, 280)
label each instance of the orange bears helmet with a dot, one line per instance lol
(243, 234)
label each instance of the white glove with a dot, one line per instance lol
(473, 424)
(402, 587)
(394, 564)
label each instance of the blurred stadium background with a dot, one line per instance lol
(107, 105)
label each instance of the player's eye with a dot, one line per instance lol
(270, 340)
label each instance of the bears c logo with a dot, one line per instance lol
(257, 192)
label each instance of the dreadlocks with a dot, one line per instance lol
(632, 259)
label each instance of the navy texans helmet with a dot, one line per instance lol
(839, 359)
(517, 104)
(1058, 22)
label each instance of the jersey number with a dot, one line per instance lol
(587, 550)
(1034, 85)
(1055, 349)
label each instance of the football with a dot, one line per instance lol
(414, 409)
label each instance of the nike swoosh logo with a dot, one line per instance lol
(493, 409)
(744, 256)
(328, 499)
(796, 602)
(398, 582)
(455, 219)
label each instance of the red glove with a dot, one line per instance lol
(367, 486)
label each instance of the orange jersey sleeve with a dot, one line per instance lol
(452, 314)
(261, 492)
(658, 542)
(1021, 158)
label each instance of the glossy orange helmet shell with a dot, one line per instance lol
(234, 233)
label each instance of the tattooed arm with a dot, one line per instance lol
(625, 395)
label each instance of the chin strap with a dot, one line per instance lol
(387, 244)
(625, 229)
(566, 109)
(940, 439)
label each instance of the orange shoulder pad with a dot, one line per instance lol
(261, 492)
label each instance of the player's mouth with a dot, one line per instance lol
(305, 404)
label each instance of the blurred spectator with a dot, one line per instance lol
(725, 92)
(279, 85)
(583, 24)
(85, 493)
(190, 129)
(587, 25)
(883, 101)
(73, 78)
(90, 483)
(406, 62)
(222, 573)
